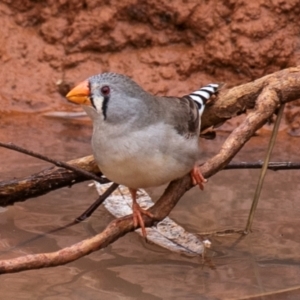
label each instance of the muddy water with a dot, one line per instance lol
(265, 262)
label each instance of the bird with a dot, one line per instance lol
(142, 140)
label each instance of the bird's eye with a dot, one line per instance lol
(105, 90)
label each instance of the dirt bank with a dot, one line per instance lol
(168, 47)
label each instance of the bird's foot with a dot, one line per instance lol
(137, 217)
(198, 178)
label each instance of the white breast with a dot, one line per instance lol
(144, 158)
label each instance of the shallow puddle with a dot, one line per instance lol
(263, 265)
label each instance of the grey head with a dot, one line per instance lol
(116, 98)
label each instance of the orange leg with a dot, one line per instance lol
(137, 213)
(198, 178)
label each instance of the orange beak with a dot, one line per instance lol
(80, 94)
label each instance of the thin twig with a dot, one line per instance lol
(264, 170)
(96, 204)
(55, 162)
(274, 166)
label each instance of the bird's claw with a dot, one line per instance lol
(138, 219)
(198, 178)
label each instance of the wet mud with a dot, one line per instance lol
(168, 47)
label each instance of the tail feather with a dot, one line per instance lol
(201, 96)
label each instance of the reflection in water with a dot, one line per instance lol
(265, 261)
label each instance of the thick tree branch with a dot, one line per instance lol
(47, 180)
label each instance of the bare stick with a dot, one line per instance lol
(265, 105)
(263, 171)
(45, 181)
(97, 203)
(274, 166)
(112, 232)
(232, 102)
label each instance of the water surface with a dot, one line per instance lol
(263, 265)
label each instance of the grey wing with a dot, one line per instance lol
(182, 113)
(188, 109)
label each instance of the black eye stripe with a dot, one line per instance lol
(105, 91)
(104, 106)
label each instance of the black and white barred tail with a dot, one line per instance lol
(201, 96)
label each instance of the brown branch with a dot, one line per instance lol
(274, 166)
(86, 214)
(38, 184)
(265, 106)
(281, 87)
(112, 232)
(235, 101)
